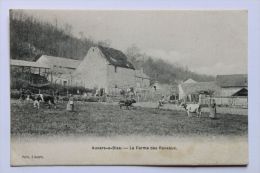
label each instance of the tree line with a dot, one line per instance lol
(161, 70)
(30, 37)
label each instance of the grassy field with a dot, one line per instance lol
(97, 119)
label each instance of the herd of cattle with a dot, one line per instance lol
(50, 101)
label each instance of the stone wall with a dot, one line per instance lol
(119, 77)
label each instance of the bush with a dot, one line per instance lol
(78, 98)
(103, 99)
(65, 99)
(15, 94)
(92, 99)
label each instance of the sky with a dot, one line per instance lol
(207, 42)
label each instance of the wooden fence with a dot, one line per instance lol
(140, 96)
(227, 101)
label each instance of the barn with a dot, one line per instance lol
(232, 85)
(190, 91)
(105, 68)
(142, 80)
(61, 68)
(24, 73)
(190, 81)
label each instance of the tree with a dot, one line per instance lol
(104, 43)
(135, 56)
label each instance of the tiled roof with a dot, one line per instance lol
(59, 61)
(116, 57)
(191, 88)
(235, 80)
(23, 63)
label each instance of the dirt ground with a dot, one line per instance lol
(97, 119)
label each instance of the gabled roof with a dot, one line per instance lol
(241, 92)
(23, 63)
(235, 80)
(192, 88)
(190, 81)
(59, 61)
(116, 57)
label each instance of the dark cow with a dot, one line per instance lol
(127, 103)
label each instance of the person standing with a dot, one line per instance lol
(212, 109)
(161, 102)
(70, 104)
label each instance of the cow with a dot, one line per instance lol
(127, 103)
(37, 98)
(192, 108)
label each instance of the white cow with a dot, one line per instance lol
(192, 108)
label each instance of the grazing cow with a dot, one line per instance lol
(36, 100)
(192, 108)
(127, 103)
(44, 98)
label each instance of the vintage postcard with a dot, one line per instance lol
(92, 87)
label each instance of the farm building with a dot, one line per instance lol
(61, 68)
(28, 73)
(141, 79)
(232, 85)
(105, 68)
(230, 90)
(165, 89)
(156, 86)
(190, 91)
(190, 81)
(102, 68)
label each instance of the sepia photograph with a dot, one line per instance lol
(128, 87)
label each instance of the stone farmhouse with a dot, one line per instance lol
(105, 68)
(102, 68)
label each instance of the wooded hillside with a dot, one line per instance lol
(161, 70)
(30, 37)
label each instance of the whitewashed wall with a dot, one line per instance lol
(92, 72)
(123, 78)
